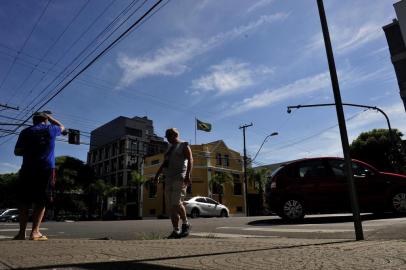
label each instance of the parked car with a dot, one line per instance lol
(9, 215)
(204, 206)
(319, 185)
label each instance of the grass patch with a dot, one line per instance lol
(150, 236)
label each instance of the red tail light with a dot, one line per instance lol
(273, 183)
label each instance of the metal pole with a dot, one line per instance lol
(341, 122)
(245, 170)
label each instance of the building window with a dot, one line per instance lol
(99, 154)
(113, 179)
(106, 167)
(106, 152)
(237, 185)
(133, 132)
(121, 163)
(218, 159)
(226, 161)
(133, 147)
(122, 146)
(155, 161)
(114, 165)
(120, 180)
(152, 189)
(114, 148)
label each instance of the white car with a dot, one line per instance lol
(204, 206)
(9, 215)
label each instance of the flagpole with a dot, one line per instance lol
(195, 129)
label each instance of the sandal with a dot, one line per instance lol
(39, 238)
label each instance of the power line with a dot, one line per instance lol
(52, 46)
(25, 43)
(95, 39)
(97, 57)
(66, 52)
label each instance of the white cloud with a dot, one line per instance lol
(229, 76)
(295, 89)
(171, 60)
(347, 39)
(259, 4)
(7, 167)
(350, 29)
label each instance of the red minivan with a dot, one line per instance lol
(319, 185)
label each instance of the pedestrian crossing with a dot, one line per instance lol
(288, 230)
(9, 230)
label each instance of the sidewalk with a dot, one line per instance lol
(203, 253)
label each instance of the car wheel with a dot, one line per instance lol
(223, 213)
(292, 210)
(399, 203)
(195, 213)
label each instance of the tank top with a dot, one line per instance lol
(175, 163)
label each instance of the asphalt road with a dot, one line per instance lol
(313, 227)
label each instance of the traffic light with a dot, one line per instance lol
(74, 136)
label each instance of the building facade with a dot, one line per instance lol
(396, 36)
(209, 159)
(119, 147)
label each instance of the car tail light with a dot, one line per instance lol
(273, 183)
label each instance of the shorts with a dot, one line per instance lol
(36, 186)
(175, 189)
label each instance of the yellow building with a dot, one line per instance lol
(209, 159)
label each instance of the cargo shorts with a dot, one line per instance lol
(175, 190)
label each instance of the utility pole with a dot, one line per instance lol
(341, 122)
(245, 170)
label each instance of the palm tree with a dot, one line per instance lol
(259, 178)
(102, 190)
(138, 180)
(219, 179)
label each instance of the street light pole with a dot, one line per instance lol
(391, 135)
(245, 170)
(341, 122)
(270, 135)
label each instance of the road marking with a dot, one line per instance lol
(16, 230)
(229, 235)
(301, 230)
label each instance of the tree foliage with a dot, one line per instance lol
(376, 148)
(219, 180)
(8, 190)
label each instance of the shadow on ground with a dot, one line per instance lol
(147, 264)
(321, 220)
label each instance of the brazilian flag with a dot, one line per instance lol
(203, 126)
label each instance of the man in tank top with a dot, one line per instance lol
(177, 166)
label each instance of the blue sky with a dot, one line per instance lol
(225, 62)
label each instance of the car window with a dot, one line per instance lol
(211, 201)
(360, 170)
(313, 168)
(13, 212)
(202, 200)
(337, 166)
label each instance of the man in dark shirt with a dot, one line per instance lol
(36, 144)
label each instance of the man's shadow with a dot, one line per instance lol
(322, 219)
